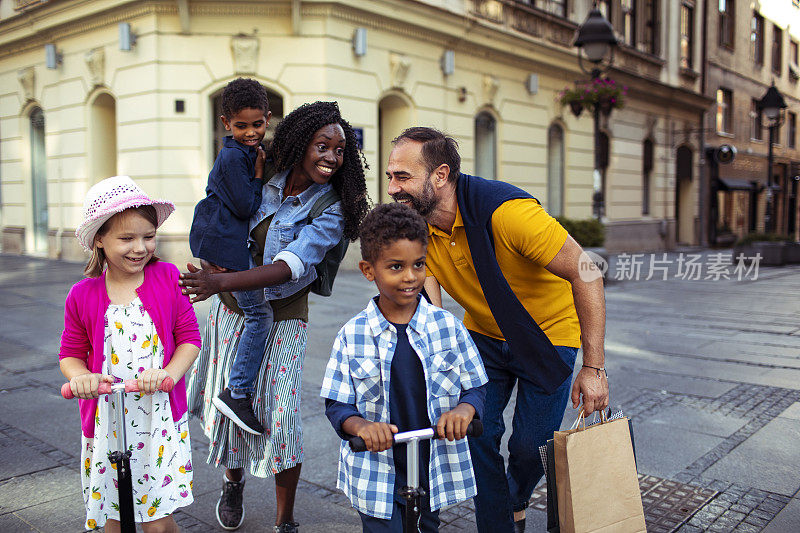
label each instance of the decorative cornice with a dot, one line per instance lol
(133, 10)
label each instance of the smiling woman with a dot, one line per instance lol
(314, 155)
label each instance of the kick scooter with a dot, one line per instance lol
(122, 456)
(412, 493)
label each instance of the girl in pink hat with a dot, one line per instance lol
(129, 320)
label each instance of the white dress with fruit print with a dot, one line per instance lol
(161, 461)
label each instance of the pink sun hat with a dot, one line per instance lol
(109, 197)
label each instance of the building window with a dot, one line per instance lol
(791, 130)
(756, 121)
(777, 49)
(757, 38)
(724, 111)
(726, 23)
(103, 137)
(486, 145)
(38, 180)
(629, 22)
(793, 52)
(650, 29)
(647, 170)
(555, 170)
(556, 7)
(687, 35)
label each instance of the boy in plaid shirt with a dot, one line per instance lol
(400, 365)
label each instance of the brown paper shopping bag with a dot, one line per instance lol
(596, 481)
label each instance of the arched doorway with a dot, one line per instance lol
(555, 170)
(103, 124)
(684, 201)
(38, 180)
(218, 130)
(394, 116)
(486, 145)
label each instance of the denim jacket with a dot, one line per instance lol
(291, 238)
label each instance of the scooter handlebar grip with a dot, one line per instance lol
(66, 391)
(475, 429)
(130, 386)
(167, 385)
(357, 444)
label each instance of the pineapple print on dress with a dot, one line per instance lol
(160, 445)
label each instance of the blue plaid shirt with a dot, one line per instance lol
(358, 374)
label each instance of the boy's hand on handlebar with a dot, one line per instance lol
(85, 386)
(452, 425)
(150, 380)
(377, 435)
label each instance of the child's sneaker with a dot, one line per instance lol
(239, 410)
(230, 509)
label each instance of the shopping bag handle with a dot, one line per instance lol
(582, 418)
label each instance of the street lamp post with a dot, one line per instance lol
(772, 104)
(595, 39)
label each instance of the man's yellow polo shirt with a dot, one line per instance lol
(526, 239)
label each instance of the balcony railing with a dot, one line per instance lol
(537, 18)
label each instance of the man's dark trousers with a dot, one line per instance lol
(536, 416)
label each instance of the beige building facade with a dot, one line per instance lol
(90, 89)
(750, 46)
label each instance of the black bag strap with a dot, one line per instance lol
(323, 203)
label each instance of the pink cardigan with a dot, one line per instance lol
(84, 327)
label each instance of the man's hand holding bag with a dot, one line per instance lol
(596, 480)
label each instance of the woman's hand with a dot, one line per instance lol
(200, 284)
(85, 386)
(150, 380)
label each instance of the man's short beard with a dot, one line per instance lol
(425, 204)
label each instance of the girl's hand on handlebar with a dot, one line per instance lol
(84, 386)
(452, 425)
(377, 435)
(150, 380)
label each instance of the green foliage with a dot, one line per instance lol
(750, 238)
(589, 233)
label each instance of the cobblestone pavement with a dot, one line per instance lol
(708, 371)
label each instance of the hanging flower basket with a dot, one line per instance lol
(604, 93)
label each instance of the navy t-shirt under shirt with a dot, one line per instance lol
(408, 405)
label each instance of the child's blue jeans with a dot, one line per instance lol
(258, 320)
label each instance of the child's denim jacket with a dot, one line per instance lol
(291, 237)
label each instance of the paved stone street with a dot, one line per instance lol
(708, 370)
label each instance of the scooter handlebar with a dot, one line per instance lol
(131, 385)
(474, 429)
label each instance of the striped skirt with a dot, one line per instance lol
(276, 401)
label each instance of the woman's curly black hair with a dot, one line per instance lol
(288, 148)
(388, 223)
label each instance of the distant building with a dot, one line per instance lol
(83, 100)
(750, 45)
